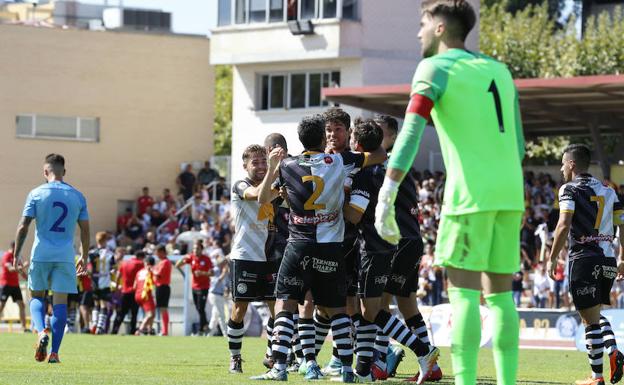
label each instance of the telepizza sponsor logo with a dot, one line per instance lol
(381, 280)
(361, 192)
(293, 281)
(596, 238)
(314, 219)
(587, 290)
(398, 279)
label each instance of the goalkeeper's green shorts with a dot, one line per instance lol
(486, 241)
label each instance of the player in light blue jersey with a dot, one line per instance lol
(56, 208)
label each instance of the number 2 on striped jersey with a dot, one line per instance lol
(497, 104)
(600, 201)
(319, 185)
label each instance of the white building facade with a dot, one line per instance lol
(284, 51)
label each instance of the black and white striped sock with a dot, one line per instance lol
(607, 336)
(307, 337)
(417, 326)
(284, 329)
(269, 332)
(341, 332)
(71, 319)
(101, 322)
(395, 328)
(235, 337)
(321, 328)
(296, 342)
(595, 348)
(381, 345)
(365, 345)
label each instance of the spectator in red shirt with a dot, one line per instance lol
(123, 219)
(143, 285)
(127, 274)
(85, 295)
(162, 278)
(9, 285)
(201, 268)
(144, 201)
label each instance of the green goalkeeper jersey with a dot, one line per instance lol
(477, 118)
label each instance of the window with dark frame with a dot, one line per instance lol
(304, 89)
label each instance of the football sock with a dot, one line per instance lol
(164, 314)
(607, 335)
(381, 345)
(465, 334)
(417, 326)
(58, 322)
(284, 330)
(396, 329)
(37, 313)
(296, 341)
(307, 337)
(71, 318)
(235, 337)
(365, 343)
(269, 332)
(341, 333)
(321, 328)
(595, 349)
(505, 336)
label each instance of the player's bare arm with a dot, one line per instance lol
(85, 236)
(561, 235)
(620, 259)
(20, 238)
(266, 193)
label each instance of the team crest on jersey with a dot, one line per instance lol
(241, 288)
(328, 160)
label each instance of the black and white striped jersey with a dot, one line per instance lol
(596, 210)
(315, 185)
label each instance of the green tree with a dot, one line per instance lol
(223, 110)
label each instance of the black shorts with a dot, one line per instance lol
(10, 291)
(253, 280)
(86, 298)
(163, 292)
(351, 253)
(403, 278)
(73, 297)
(102, 294)
(591, 280)
(373, 272)
(318, 267)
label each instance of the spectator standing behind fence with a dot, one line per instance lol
(220, 280)
(201, 269)
(186, 182)
(144, 201)
(541, 286)
(207, 175)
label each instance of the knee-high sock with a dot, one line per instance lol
(284, 330)
(381, 345)
(365, 343)
(269, 332)
(396, 329)
(58, 322)
(101, 322)
(418, 326)
(341, 333)
(37, 313)
(71, 319)
(296, 341)
(307, 336)
(95, 316)
(321, 328)
(595, 349)
(235, 337)
(465, 334)
(164, 314)
(607, 335)
(505, 336)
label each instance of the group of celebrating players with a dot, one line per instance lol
(329, 236)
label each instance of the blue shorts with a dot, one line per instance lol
(60, 277)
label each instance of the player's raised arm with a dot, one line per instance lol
(266, 191)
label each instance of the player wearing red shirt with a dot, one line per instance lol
(143, 286)
(144, 201)
(162, 278)
(9, 285)
(201, 267)
(127, 274)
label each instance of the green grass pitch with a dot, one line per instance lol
(88, 359)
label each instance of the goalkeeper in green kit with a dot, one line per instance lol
(473, 103)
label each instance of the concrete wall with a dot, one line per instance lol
(152, 93)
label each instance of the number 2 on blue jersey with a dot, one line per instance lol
(56, 227)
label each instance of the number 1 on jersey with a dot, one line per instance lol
(497, 103)
(319, 185)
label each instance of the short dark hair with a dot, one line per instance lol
(150, 261)
(55, 160)
(389, 121)
(140, 254)
(311, 131)
(459, 15)
(161, 248)
(580, 154)
(367, 133)
(253, 149)
(275, 139)
(337, 115)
